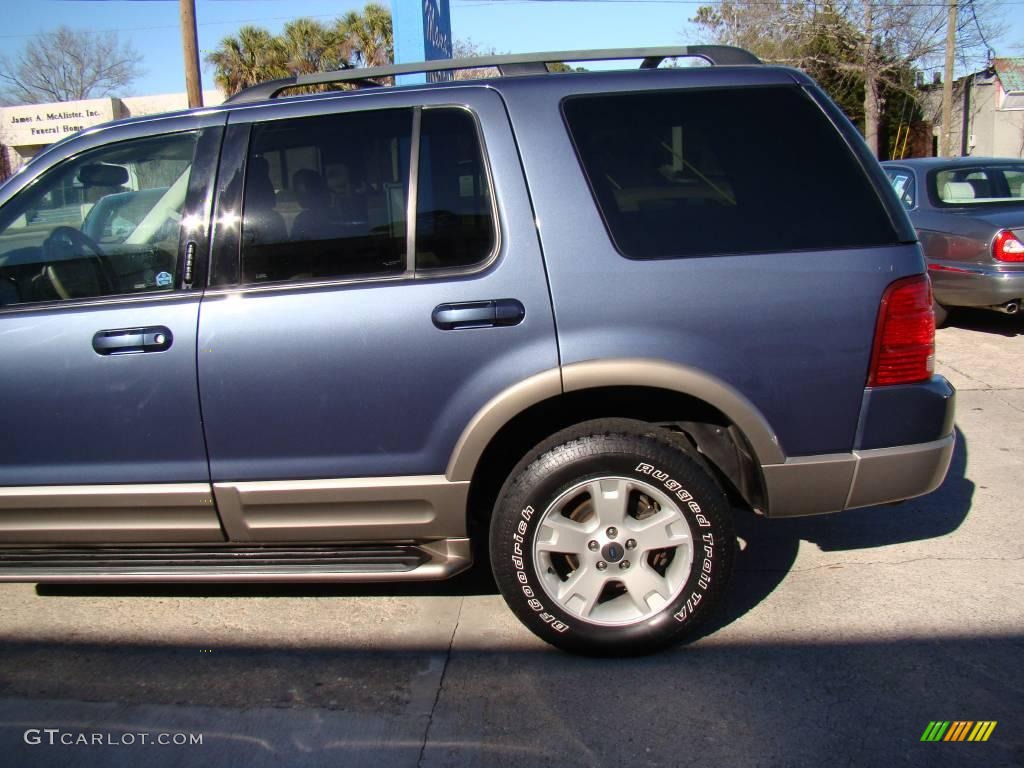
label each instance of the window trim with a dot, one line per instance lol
(412, 203)
(110, 301)
(410, 273)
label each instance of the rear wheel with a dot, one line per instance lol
(612, 537)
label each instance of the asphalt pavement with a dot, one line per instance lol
(844, 636)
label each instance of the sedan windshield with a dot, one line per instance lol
(978, 185)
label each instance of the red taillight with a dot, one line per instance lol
(904, 350)
(1006, 247)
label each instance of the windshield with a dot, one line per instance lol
(996, 184)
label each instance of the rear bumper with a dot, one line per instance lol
(904, 446)
(975, 285)
(819, 484)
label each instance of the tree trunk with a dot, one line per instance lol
(871, 109)
(870, 81)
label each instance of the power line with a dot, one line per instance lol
(200, 24)
(480, 3)
(974, 15)
(496, 3)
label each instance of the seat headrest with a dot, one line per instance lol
(954, 191)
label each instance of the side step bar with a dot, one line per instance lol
(433, 560)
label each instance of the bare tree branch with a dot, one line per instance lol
(68, 65)
(860, 50)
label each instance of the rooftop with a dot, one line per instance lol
(1010, 73)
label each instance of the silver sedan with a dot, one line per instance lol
(969, 214)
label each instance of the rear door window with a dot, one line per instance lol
(454, 217)
(326, 197)
(700, 172)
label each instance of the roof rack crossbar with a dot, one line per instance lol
(507, 64)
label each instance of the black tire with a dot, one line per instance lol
(654, 472)
(941, 314)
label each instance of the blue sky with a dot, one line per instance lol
(506, 25)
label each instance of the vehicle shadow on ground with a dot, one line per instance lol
(769, 547)
(768, 550)
(987, 321)
(804, 703)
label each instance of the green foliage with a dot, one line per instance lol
(369, 36)
(250, 57)
(304, 46)
(561, 66)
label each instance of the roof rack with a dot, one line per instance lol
(509, 64)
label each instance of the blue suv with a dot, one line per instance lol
(573, 321)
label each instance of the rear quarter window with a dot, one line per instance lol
(723, 171)
(902, 182)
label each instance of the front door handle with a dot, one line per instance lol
(126, 341)
(478, 314)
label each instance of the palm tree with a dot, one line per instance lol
(369, 35)
(250, 58)
(309, 46)
(305, 45)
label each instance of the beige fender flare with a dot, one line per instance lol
(620, 372)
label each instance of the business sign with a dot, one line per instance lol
(35, 124)
(423, 32)
(437, 29)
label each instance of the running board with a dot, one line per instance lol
(352, 563)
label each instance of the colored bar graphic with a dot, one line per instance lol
(982, 730)
(935, 730)
(958, 730)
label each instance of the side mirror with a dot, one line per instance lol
(103, 175)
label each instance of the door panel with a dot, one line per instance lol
(100, 430)
(354, 379)
(76, 417)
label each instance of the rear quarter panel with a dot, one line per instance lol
(792, 331)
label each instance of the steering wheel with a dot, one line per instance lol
(67, 244)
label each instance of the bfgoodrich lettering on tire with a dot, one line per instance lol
(612, 538)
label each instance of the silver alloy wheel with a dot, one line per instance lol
(613, 551)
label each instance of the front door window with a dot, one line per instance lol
(102, 223)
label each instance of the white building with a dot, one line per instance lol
(988, 111)
(26, 129)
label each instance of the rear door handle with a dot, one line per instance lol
(126, 341)
(478, 314)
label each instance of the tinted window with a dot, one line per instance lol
(454, 226)
(723, 171)
(978, 185)
(105, 222)
(326, 197)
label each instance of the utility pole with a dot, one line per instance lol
(946, 145)
(190, 52)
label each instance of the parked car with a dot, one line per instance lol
(969, 214)
(572, 321)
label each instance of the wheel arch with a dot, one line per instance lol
(718, 420)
